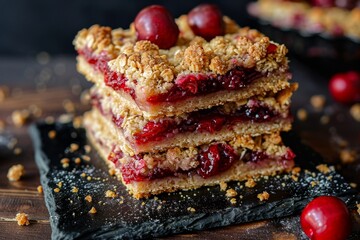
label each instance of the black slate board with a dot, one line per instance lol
(123, 217)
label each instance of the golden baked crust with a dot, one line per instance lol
(179, 159)
(151, 71)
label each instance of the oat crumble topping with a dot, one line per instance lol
(22, 219)
(223, 186)
(15, 172)
(250, 183)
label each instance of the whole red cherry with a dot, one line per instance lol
(323, 3)
(155, 23)
(206, 20)
(326, 218)
(345, 87)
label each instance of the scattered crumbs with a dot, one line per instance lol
(111, 171)
(231, 193)
(77, 160)
(86, 158)
(241, 186)
(56, 190)
(295, 178)
(110, 194)
(191, 209)
(263, 196)
(17, 151)
(77, 122)
(156, 198)
(22, 219)
(59, 184)
(69, 106)
(223, 186)
(159, 207)
(88, 198)
(329, 178)
(52, 134)
(39, 189)
(266, 177)
(83, 175)
(233, 201)
(323, 168)
(74, 147)
(241, 196)
(121, 202)
(92, 210)
(75, 189)
(347, 156)
(20, 117)
(355, 111)
(142, 203)
(302, 114)
(318, 101)
(283, 184)
(313, 183)
(358, 208)
(250, 183)
(49, 120)
(87, 148)
(64, 160)
(15, 172)
(4, 93)
(296, 170)
(325, 119)
(353, 185)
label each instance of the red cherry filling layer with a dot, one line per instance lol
(213, 160)
(186, 86)
(206, 120)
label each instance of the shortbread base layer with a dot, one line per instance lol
(184, 181)
(275, 82)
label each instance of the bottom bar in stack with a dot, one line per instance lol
(176, 168)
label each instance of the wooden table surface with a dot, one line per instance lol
(46, 83)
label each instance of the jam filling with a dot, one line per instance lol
(213, 160)
(190, 85)
(205, 120)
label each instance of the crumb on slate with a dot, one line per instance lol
(112, 171)
(296, 170)
(39, 189)
(318, 101)
(83, 175)
(20, 117)
(75, 189)
(15, 172)
(86, 158)
(302, 114)
(110, 194)
(87, 148)
(92, 210)
(233, 201)
(250, 183)
(74, 147)
(263, 196)
(52, 134)
(77, 160)
(22, 219)
(56, 190)
(88, 198)
(191, 209)
(223, 186)
(231, 193)
(353, 185)
(59, 184)
(355, 111)
(347, 156)
(323, 168)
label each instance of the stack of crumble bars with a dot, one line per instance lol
(198, 114)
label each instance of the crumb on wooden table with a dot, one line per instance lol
(263, 196)
(250, 183)
(39, 189)
(22, 219)
(20, 117)
(69, 106)
(15, 172)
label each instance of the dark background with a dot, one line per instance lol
(31, 26)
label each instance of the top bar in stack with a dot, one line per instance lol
(199, 113)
